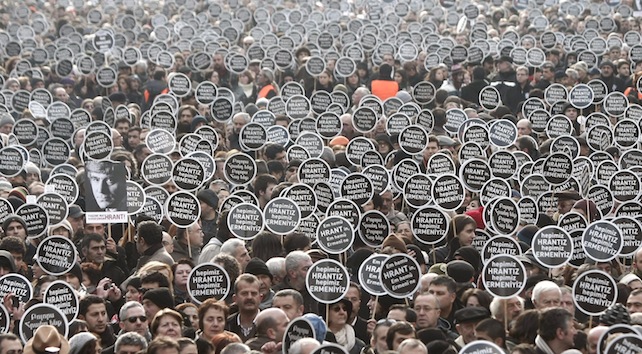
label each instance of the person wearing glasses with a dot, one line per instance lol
(132, 319)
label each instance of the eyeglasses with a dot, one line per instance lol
(133, 319)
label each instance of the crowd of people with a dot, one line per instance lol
(132, 279)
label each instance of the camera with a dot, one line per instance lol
(107, 286)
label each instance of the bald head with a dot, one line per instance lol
(271, 323)
(594, 336)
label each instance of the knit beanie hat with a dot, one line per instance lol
(256, 266)
(78, 341)
(161, 297)
(615, 314)
(12, 218)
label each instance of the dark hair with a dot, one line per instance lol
(87, 301)
(401, 327)
(262, 182)
(448, 282)
(525, 327)
(524, 348)
(482, 296)
(182, 261)
(155, 277)
(267, 245)
(295, 241)
(296, 296)
(493, 328)
(272, 149)
(7, 336)
(159, 74)
(87, 239)
(551, 320)
(151, 232)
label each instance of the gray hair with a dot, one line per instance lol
(297, 347)
(293, 260)
(130, 338)
(122, 315)
(235, 348)
(497, 306)
(543, 287)
(230, 246)
(276, 265)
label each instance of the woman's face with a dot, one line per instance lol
(472, 301)
(324, 79)
(467, 235)
(132, 293)
(215, 78)
(192, 314)
(338, 315)
(181, 275)
(168, 326)
(439, 75)
(244, 80)
(353, 79)
(13, 86)
(474, 204)
(89, 106)
(213, 323)
(398, 78)
(403, 229)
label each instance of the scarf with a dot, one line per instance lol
(541, 344)
(345, 336)
(247, 89)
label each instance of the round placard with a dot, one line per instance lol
(327, 281)
(400, 274)
(207, 281)
(504, 276)
(183, 209)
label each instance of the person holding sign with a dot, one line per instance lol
(461, 233)
(107, 186)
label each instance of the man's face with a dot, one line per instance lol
(128, 349)
(281, 325)
(61, 94)
(95, 229)
(150, 309)
(515, 308)
(300, 273)
(242, 256)
(548, 74)
(76, 223)
(122, 128)
(386, 202)
(397, 315)
(95, 252)
(266, 284)
(569, 335)
(378, 340)
(15, 228)
(238, 122)
(427, 311)
(11, 346)
(398, 338)
(523, 128)
(195, 234)
(96, 318)
(136, 314)
(354, 297)
(289, 306)
(133, 138)
(247, 296)
(431, 149)
(606, 70)
(467, 331)
(266, 196)
(567, 302)
(548, 299)
(443, 295)
(105, 187)
(634, 303)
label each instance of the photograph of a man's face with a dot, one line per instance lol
(106, 186)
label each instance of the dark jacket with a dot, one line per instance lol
(471, 91)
